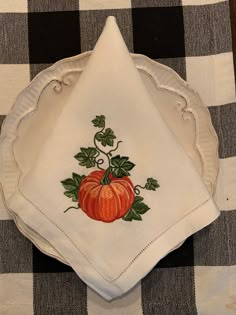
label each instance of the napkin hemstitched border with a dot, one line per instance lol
(138, 268)
(157, 237)
(134, 259)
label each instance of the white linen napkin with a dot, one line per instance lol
(137, 199)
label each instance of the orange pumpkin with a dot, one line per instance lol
(105, 203)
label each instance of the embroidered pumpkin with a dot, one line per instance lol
(105, 203)
(106, 195)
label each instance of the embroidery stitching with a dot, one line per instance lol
(106, 194)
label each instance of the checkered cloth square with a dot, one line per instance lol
(194, 38)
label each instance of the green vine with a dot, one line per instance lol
(137, 190)
(151, 184)
(118, 166)
(71, 208)
(105, 180)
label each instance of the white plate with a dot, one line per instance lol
(38, 106)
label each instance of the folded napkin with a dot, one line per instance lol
(111, 189)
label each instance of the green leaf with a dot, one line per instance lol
(107, 137)
(87, 157)
(132, 215)
(99, 121)
(120, 166)
(72, 194)
(77, 178)
(137, 209)
(151, 184)
(139, 205)
(68, 184)
(71, 186)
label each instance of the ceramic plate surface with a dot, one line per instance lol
(26, 127)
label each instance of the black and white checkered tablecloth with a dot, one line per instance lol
(194, 38)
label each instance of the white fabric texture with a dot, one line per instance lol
(112, 257)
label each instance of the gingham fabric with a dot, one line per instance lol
(194, 38)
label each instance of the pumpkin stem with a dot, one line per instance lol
(105, 179)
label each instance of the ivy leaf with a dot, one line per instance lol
(107, 137)
(77, 178)
(139, 205)
(72, 194)
(151, 184)
(87, 157)
(99, 121)
(120, 166)
(137, 209)
(132, 215)
(68, 184)
(71, 186)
